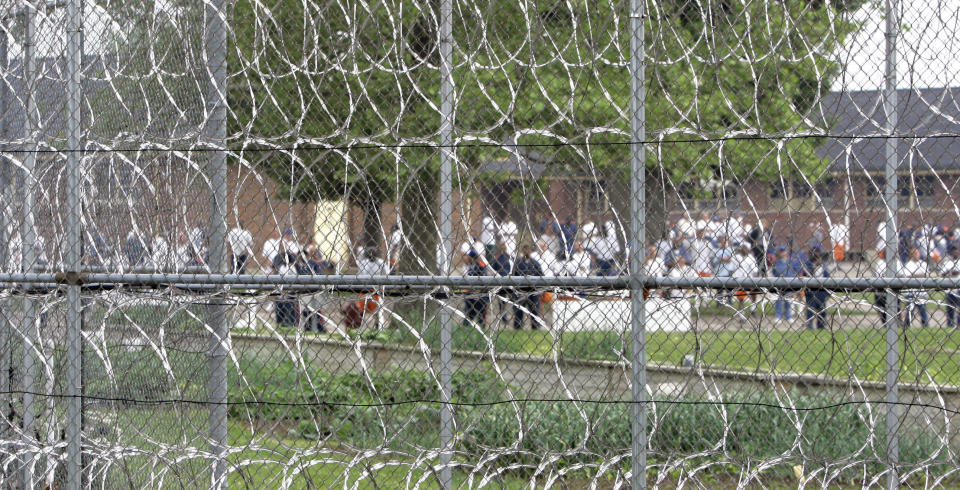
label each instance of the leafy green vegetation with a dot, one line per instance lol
(722, 436)
(736, 433)
(285, 409)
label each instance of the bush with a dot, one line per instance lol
(137, 374)
(351, 406)
(740, 433)
(603, 346)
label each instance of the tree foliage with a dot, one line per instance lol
(347, 92)
(340, 74)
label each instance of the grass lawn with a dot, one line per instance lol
(166, 440)
(926, 354)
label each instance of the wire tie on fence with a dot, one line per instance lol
(70, 278)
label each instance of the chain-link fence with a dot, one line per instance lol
(465, 243)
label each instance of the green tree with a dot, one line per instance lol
(349, 89)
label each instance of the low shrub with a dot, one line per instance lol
(756, 429)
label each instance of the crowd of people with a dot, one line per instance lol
(558, 249)
(707, 245)
(729, 247)
(714, 246)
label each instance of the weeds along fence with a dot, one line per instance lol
(458, 244)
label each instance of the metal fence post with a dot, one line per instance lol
(446, 232)
(638, 161)
(890, 245)
(74, 239)
(6, 180)
(27, 242)
(215, 133)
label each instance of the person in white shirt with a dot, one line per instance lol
(508, 235)
(271, 248)
(488, 233)
(369, 263)
(735, 229)
(915, 267)
(746, 266)
(881, 237)
(395, 246)
(551, 241)
(687, 226)
(701, 253)
(654, 265)
(715, 228)
(681, 270)
(587, 233)
(290, 243)
(547, 259)
(15, 255)
(840, 236)
(197, 238)
(703, 223)
(241, 248)
(950, 268)
(160, 252)
(605, 248)
(578, 262)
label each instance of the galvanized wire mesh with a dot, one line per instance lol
(457, 243)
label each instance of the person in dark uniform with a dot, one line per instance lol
(476, 303)
(816, 298)
(286, 307)
(526, 299)
(502, 265)
(759, 240)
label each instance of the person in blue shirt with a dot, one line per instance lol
(568, 233)
(816, 298)
(799, 263)
(781, 268)
(526, 300)
(678, 250)
(502, 263)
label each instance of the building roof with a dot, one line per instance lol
(520, 163)
(520, 167)
(931, 117)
